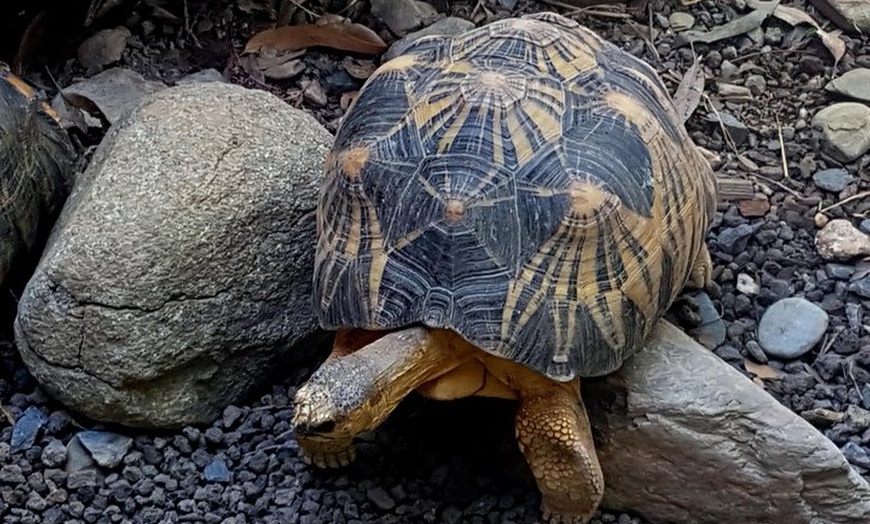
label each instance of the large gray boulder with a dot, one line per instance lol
(685, 438)
(178, 276)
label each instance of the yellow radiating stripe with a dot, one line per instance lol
(454, 129)
(379, 259)
(545, 118)
(517, 131)
(430, 116)
(354, 232)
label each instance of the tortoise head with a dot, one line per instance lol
(331, 404)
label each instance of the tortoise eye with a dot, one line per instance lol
(323, 427)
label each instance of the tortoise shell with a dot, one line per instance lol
(37, 161)
(526, 184)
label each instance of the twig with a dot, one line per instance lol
(844, 201)
(782, 148)
(8, 415)
(780, 184)
(592, 10)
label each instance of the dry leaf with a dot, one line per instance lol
(736, 27)
(359, 69)
(347, 99)
(344, 36)
(831, 40)
(762, 371)
(688, 94)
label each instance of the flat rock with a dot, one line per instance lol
(853, 84)
(685, 438)
(449, 26)
(840, 240)
(181, 265)
(106, 448)
(845, 127)
(26, 429)
(402, 16)
(105, 47)
(680, 21)
(790, 327)
(833, 180)
(850, 15)
(115, 92)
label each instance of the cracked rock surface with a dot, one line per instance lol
(177, 277)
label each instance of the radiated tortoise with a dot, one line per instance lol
(503, 212)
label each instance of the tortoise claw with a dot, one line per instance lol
(327, 454)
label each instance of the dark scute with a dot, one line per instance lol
(608, 149)
(381, 104)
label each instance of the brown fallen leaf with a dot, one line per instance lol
(340, 35)
(762, 371)
(688, 94)
(347, 99)
(831, 40)
(359, 69)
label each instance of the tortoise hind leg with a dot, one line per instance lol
(355, 390)
(554, 435)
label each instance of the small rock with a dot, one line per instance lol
(381, 498)
(288, 69)
(53, 454)
(833, 180)
(313, 92)
(680, 21)
(850, 15)
(859, 418)
(27, 428)
(217, 471)
(114, 91)
(729, 70)
(864, 226)
(790, 327)
(754, 207)
(853, 84)
(711, 332)
(11, 474)
(846, 129)
(107, 449)
(756, 352)
(402, 16)
(81, 478)
(756, 83)
(445, 27)
(733, 240)
(734, 93)
(822, 417)
(839, 271)
(231, 415)
(746, 284)
(200, 77)
(840, 240)
(103, 48)
(737, 129)
(861, 287)
(856, 455)
(811, 64)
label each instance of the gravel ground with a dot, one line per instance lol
(455, 463)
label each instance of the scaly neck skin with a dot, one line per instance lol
(360, 390)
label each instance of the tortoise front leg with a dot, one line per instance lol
(355, 391)
(554, 435)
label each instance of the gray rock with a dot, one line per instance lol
(103, 48)
(402, 16)
(790, 327)
(850, 15)
(833, 180)
(381, 498)
(734, 239)
(736, 129)
(53, 454)
(449, 26)
(115, 92)
(861, 287)
(217, 471)
(856, 455)
(853, 84)
(840, 240)
(107, 449)
(181, 265)
(711, 331)
(26, 429)
(200, 77)
(680, 21)
(845, 127)
(677, 425)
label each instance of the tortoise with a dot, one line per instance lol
(37, 161)
(503, 213)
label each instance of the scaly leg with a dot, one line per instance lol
(554, 435)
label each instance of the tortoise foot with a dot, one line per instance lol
(325, 454)
(554, 435)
